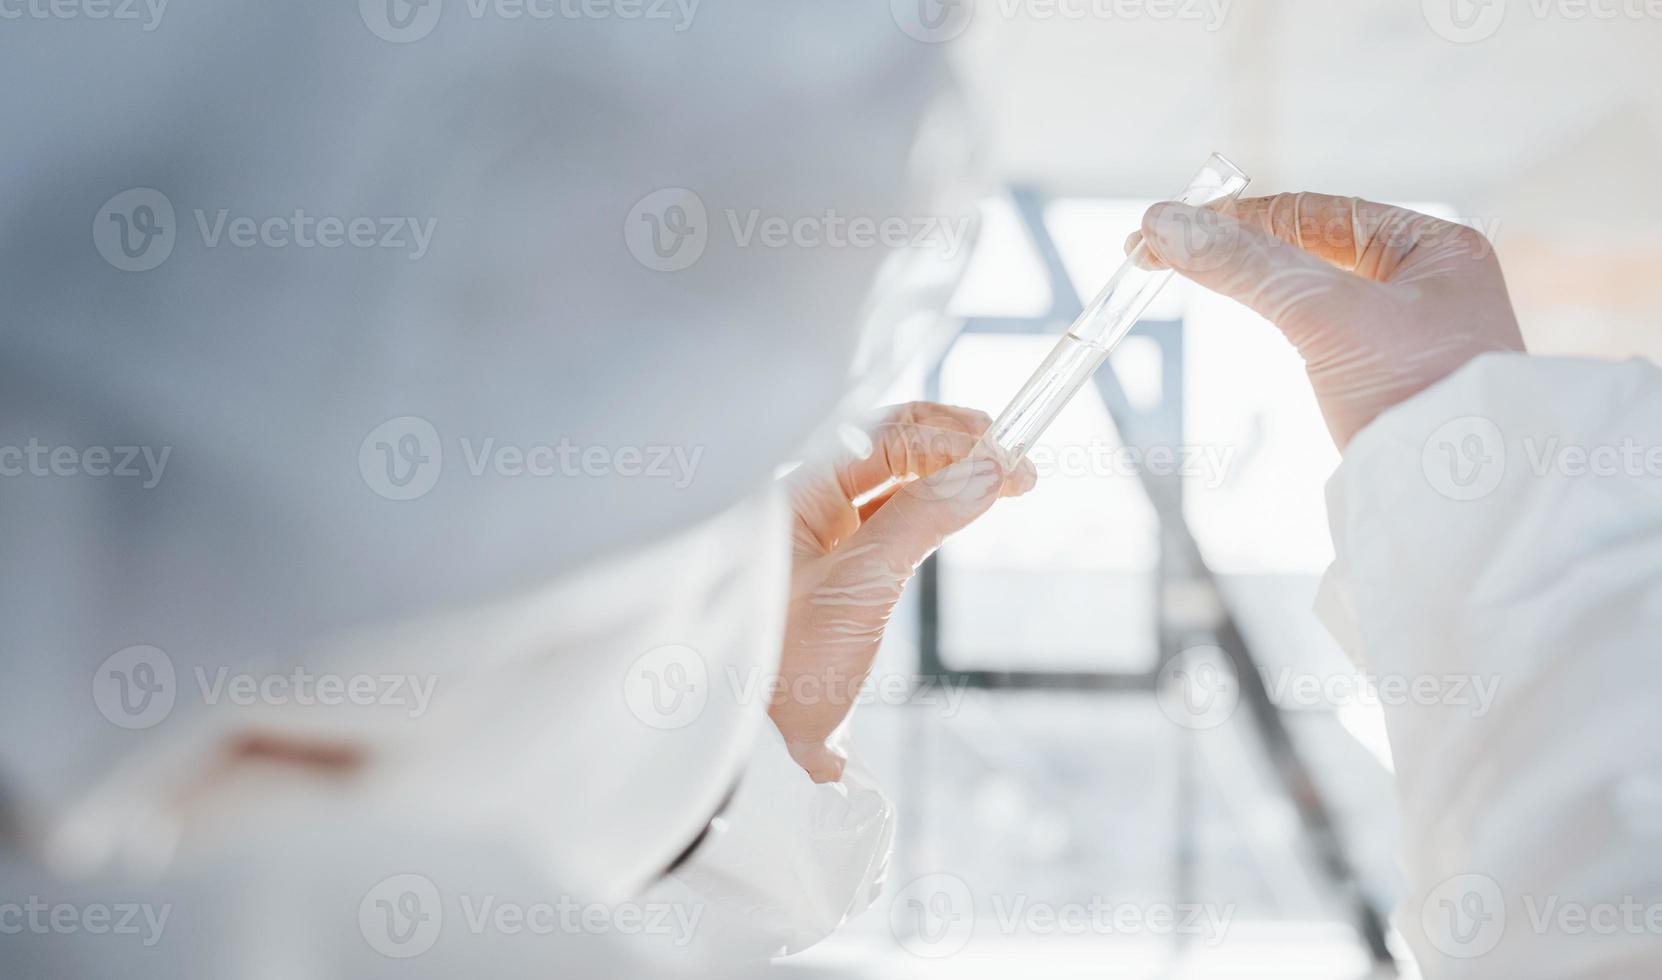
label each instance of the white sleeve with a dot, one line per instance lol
(793, 859)
(1499, 560)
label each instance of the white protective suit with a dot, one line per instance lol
(1505, 527)
(534, 612)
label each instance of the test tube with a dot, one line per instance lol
(1103, 325)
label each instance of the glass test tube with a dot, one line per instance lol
(1104, 323)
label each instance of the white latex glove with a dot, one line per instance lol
(851, 561)
(1381, 302)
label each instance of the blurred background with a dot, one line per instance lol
(1115, 694)
(1119, 740)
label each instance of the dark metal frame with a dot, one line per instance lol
(1181, 566)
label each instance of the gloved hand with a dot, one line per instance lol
(851, 561)
(1381, 302)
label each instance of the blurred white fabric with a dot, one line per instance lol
(265, 372)
(1499, 533)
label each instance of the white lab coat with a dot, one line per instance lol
(264, 365)
(1505, 526)
(535, 776)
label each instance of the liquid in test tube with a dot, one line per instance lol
(1101, 327)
